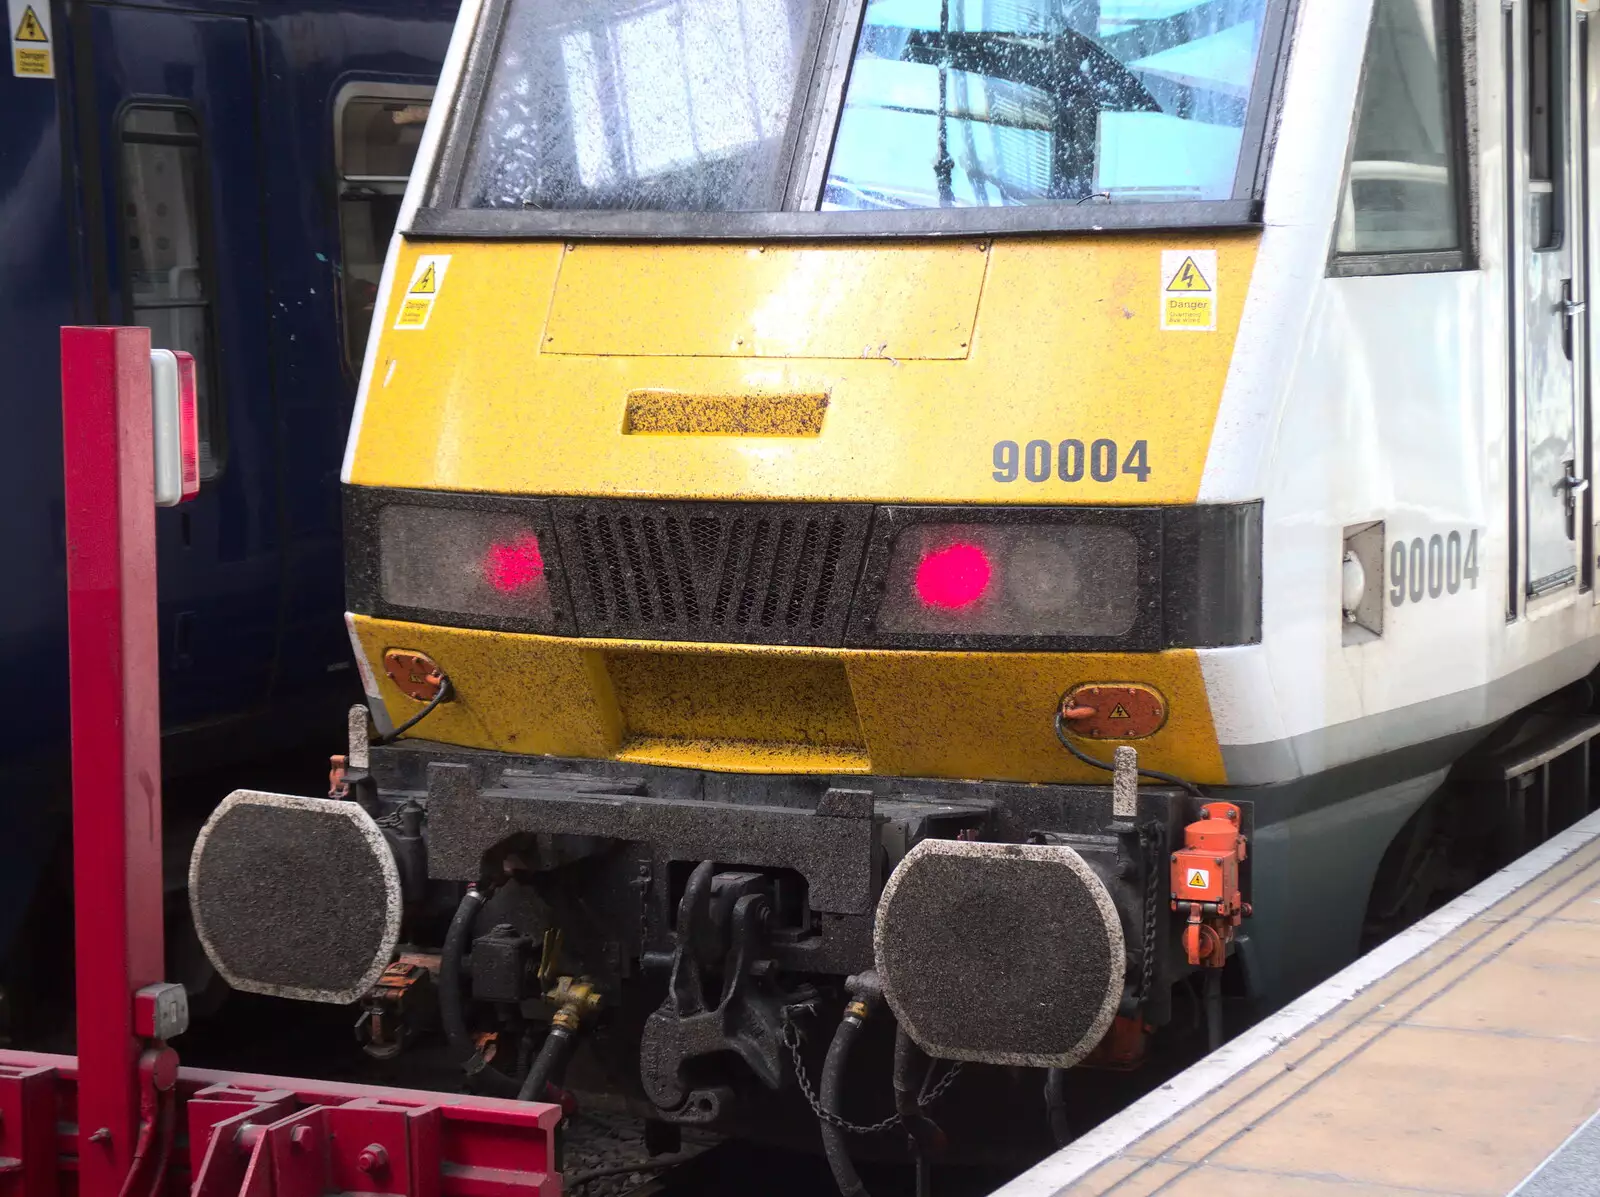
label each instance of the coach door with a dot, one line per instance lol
(179, 160)
(1547, 233)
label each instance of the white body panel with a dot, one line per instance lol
(1380, 398)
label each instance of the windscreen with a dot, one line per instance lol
(694, 105)
(667, 105)
(992, 103)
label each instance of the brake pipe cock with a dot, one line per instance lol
(1205, 882)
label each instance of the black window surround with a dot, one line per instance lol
(372, 190)
(1452, 51)
(441, 218)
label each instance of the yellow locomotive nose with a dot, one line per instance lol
(989, 372)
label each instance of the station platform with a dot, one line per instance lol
(1460, 1057)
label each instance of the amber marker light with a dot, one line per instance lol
(414, 673)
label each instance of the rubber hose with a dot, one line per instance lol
(834, 1141)
(549, 1064)
(1055, 1105)
(452, 1006)
(1213, 1003)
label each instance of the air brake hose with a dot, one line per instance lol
(833, 1070)
(452, 1008)
(549, 1065)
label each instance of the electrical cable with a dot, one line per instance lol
(167, 1115)
(1154, 774)
(141, 1149)
(446, 693)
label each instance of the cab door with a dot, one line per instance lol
(1548, 288)
(180, 170)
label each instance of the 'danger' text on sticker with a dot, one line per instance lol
(427, 280)
(32, 46)
(1189, 290)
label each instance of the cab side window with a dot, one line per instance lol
(1404, 207)
(378, 131)
(166, 251)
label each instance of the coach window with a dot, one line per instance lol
(167, 280)
(379, 129)
(1403, 210)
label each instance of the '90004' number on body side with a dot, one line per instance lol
(1429, 568)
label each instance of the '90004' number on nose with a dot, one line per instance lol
(1070, 460)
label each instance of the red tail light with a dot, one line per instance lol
(1011, 579)
(188, 425)
(476, 562)
(953, 577)
(513, 567)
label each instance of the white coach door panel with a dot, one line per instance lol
(1548, 247)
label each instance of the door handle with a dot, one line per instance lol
(1573, 486)
(1570, 310)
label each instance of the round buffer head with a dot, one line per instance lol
(295, 897)
(1000, 953)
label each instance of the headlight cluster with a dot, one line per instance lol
(979, 578)
(1011, 580)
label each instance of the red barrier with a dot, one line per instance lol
(269, 1136)
(116, 725)
(122, 1119)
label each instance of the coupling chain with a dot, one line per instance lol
(1150, 839)
(793, 1037)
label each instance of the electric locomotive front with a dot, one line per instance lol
(773, 497)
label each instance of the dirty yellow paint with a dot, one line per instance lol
(746, 708)
(1065, 343)
(781, 698)
(767, 300)
(668, 412)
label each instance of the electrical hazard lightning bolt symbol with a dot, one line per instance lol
(427, 284)
(1119, 712)
(1198, 879)
(29, 29)
(1188, 278)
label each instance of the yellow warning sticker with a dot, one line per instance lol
(32, 47)
(1189, 290)
(427, 280)
(1198, 879)
(1119, 712)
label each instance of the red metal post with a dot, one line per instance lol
(116, 727)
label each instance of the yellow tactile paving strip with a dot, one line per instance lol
(1458, 1073)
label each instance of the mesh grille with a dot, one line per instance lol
(768, 573)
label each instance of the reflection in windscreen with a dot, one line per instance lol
(676, 105)
(989, 103)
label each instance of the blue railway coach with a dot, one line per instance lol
(226, 172)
